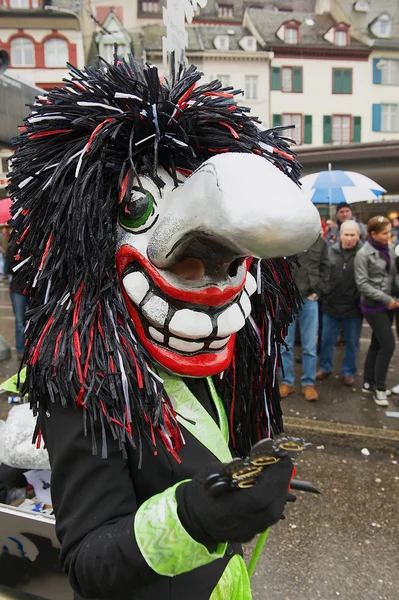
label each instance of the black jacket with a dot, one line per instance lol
(342, 298)
(312, 276)
(95, 501)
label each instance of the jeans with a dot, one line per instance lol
(381, 348)
(308, 322)
(20, 303)
(331, 328)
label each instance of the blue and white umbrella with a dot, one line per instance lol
(333, 187)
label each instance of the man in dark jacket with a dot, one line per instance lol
(341, 304)
(343, 214)
(311, 279)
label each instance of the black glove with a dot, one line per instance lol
(237, 515)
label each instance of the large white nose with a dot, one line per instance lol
(243, 202)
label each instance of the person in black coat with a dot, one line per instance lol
(153, 338)
(341, 305)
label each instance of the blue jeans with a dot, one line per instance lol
(20, 303)
(308, 322)
(331, 328)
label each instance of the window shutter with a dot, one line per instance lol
(377, 117)
(337, 81)
(377, 73)
(327, 129)
(307, 136)
(276, 78)
(357, 129)
(347, 81)
(276, 120)
(297, 79)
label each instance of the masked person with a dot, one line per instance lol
(153, 338)
(341, 305)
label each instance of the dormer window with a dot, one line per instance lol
(221, 42)
(225, 10)
(382, 26)
(291, 34)
(248, 43)
(341, 37)
(362, 6)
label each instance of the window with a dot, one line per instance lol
(4, 165)
(251, 87)
(390, 71)
(342, 81)
(248, 43)
(108, 51)
(225, 10)
(55, 53)
(151, 6)
(291, 35)
(341, 129)
(361, 6)
(340, 37)
(291, 79)
(293, 119)
(22, 52)
(221, 42)
(35, 3)
(224, 79)
(19, 3)
(389, 118)
(382, 27)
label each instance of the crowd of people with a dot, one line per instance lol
(349, 274)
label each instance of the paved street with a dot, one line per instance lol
(342, 544)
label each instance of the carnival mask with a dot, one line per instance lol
(184, 252)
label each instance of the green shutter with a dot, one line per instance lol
(337, 81)
(357, 129)
(327, 137)
(276, 78)
(276, 120)
(297, 79)
(342, 81)
(307, 136)
(347, 81)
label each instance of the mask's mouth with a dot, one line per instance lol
(182, 317)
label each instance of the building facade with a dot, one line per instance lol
(39, 42)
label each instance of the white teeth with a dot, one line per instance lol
(156, 311)
(136, 286)
(156, 335)
(230, 321)
(250, 284)
(185, 346)
(190, 324)
(245, 303)
(219, 343)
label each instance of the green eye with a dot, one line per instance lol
(137, 210)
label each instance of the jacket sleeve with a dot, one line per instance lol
(96, 512)
(324, 268)
(363, 281)
(318, 266)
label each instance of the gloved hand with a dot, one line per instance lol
(237, 515)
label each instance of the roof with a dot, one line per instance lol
(269, 22)
(200, 37)
(362, 20)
